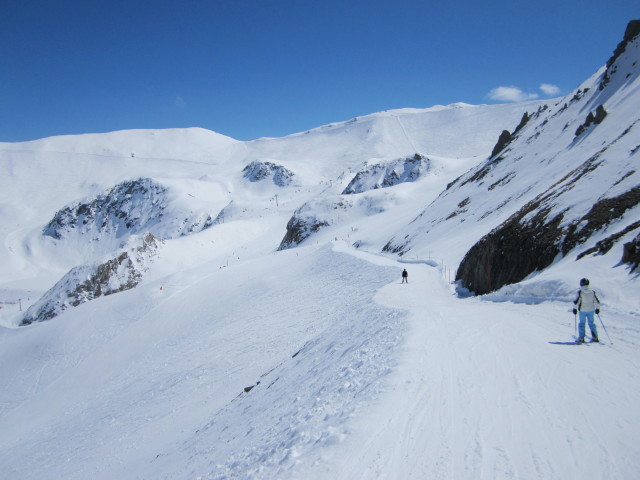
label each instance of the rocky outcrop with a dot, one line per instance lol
(510, 252)
(592, 119)
(388, 174)
(545, 194)
(310, 218)
(503, 140)
(631, 32)
(257, 171)
(129, 208)
(603, 246)
(126, 208)
(532, 239)
(507, 137)
(299, 229)
(88, 282)
(631, 253)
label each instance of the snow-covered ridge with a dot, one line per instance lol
(196, 144)
(230, 359)
(565, 181)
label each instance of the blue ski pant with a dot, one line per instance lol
(584, 317)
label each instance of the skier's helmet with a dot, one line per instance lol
(584, 282)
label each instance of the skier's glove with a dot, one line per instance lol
(597, 311)
(575, 311)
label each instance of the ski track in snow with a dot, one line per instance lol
(418, 384)
(483, 392)
(316, 363)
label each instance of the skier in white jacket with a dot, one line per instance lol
(586, 303)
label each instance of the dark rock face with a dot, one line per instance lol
(510, 253)
(310, 218)
(299, 229)
(604, 245)
(257, 171)
(503, 141)
(506, 137)
(631, 252)
(631, 32)
(601, 214)
(86, 283)
(523, 121)
(530, 241)
(592, 119)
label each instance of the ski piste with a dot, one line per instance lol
(586, 342)
(577, 342)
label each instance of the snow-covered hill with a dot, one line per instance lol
(178, 304)
(564, 189)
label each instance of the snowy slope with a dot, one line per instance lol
(152, 383)
(232, 359)
(550, 196)
(204, 175)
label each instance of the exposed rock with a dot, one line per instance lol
(631, 253)
(632, 30)
(388, 174)
(592, 119)
(503, 141)
(601, 214)
(129, 208)
(310, 218)
(87, 282)
(510, 252)
(481, 172)
(257, 171)
(603, 246)
(523, 121)
(299, 229)
(531, 239)
(398, 248)
(124, 208)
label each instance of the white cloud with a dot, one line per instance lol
(549, 90)
(511, 94)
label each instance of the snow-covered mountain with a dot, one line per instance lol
(179, 304)
(86, 194)
(564, 185)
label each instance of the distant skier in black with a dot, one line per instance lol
(586, 303)
(405, 276)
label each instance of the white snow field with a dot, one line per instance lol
(359, 377)
(230, 358)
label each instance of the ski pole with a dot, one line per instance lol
(605, 328)
(575, 324)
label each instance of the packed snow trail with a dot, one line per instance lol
(359, 377)
(151, 383)
(482, 392)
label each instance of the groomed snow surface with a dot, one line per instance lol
(354, 376)
(231, 360)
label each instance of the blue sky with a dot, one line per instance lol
(252, 68)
